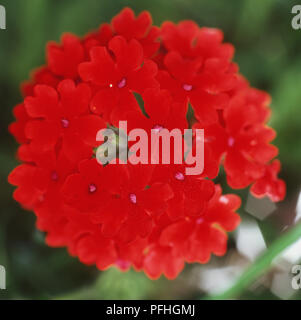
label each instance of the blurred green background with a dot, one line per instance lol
(268, 53)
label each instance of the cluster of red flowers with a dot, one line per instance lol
(152, 217)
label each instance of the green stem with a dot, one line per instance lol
(261, 265)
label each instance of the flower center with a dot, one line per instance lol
(121, 84)
(92, 188)
(187, 87)
(157, 128)
(65, 123)
(231, 141)
(133, 198)
(200, 220)
(179, 176)
(54, 176)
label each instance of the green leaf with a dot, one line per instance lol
(261, 265)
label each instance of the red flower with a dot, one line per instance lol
(196, 238)
(141, 202)
(54, 215)
(269, 184)
(248, 144)
(86, 190)
(35, 180)
(39, 76)
(191, 193)
(29, 180)
(63, 60)
(117, 77)
(203, 84)
(153, 217)
(161, 112)
(192, 42)
(63, 117)
(126, 25)
(88, 244)
(191, 239)
(100, 37)
(162, 260)
(90, 191)
(242, 138)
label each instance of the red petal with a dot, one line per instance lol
(43, 104)
(63, 61)
(87, 128)
(75, 100)
(130, 27)
(129, 56)
(101, 69)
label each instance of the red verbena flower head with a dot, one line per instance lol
(153, 217)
